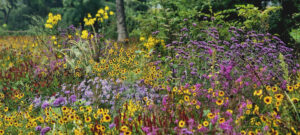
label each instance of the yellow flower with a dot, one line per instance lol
(278, 104)
(268, 87)
(5, 109)
(221, 120)
(251, 133)
(81, 109)
(142, 38)
(186, 98)
(84, 34)
(105, 17)
(279, 97)
(243, 132)
(89, 109)
(199, 126)
(101, 11)
(295, 100)
(124, 128)
(127, 133)
(210, 115)
(64, 109)
(106, 118)
(181, 123)
(205, 123)
(194, 101)
(268, 100)
(221, 93)
(88, 119)
(102, 128)
(257, 92)
(111, 13)
(290, 88)
(219, 102)
(1, 132)
(106, 8)
(274, 89)
(175, 89)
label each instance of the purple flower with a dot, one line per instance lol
(88, 94)
(37, 101)
(45, 130)
(112, 125)
(192, 64)
(59, 101)
(38, 128)
(186, 131)
(146, 129)
(45, 105)
(73, 98)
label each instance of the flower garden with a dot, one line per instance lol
(74, 80)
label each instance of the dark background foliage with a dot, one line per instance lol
(143, 19)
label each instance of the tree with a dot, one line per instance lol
(6, 6)
(121, 24)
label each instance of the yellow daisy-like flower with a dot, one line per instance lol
(251, 133)
(221, 120)
(263, 118)
(64, 109)
(5, 109)
(100, 111)
(199, 126)
(221, 93)
(278, 104)
(127, 133)
(257, 92)
(274, 89)
(102, 128)
(290, 88)
(268, 100)
(1, 132)
(194, 101)
(88, 119)
(219, 102)
(124, 128)
(181, 123)
(205, 123)
(106, 118)
(268, 87)
(175, 89)
(89, 109)
(81, 109)
(98, 127)
(295, 100)
(210, 115)
(243, 132)
(186, 98)
(279, 97)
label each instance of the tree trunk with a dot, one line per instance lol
(121, 24)
(6, 16)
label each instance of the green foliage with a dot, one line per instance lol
(254, 18)
(295, 33)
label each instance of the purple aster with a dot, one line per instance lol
(45, 105)
(38, 128)
(73, 98)
(45, 130)
(59, 101)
